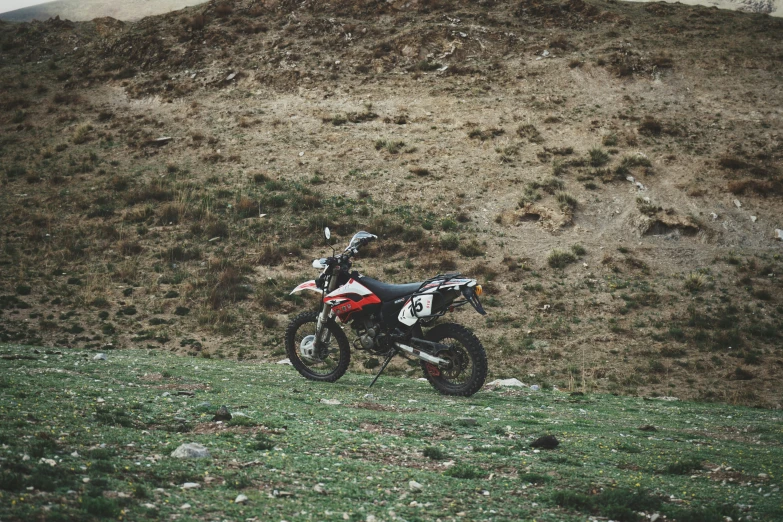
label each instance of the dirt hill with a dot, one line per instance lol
(610, 171)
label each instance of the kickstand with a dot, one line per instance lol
(383, 367)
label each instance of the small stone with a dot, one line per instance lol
(222, 414)
(535, 387)
(319, 488)
(779, 234)
(654, 517)
(240, 499)
(737, 203)
(190, 485)
(100, 357)
(150, 506)
(231, 76)
(331, 402)
(753, 218)
(631, 179)
(714, 216)
(415, 486)
(285, 361)
(545, 442)
(512, 383)
(192, 450)
(185, 506)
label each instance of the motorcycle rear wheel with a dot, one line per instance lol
(328, 363)
(467, 355)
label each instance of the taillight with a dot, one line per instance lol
(478, 290)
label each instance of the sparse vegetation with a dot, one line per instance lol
(136, 235)
(560, 259)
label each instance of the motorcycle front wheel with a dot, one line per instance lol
(468, 361)
(324, 361)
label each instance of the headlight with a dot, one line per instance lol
(478, 290)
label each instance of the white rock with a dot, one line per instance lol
(192, 450)
(507, 382)
(75, 454)
(150, 506)
(424, 379)
(100, 357)
(331, 402)
(714, 216)
(285, 361)
(185, 506)
(737, 203)
(190, 485)
(753, 218)
(240, 499)
(640, 186)
(654, 517)
(631, 179)
(231, 76)
(51, 462)
(415, 486)
(319, 488)
(535, 387)
(779, 234)
(545, 53)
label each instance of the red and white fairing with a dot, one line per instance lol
(349, 298)
(307, 285)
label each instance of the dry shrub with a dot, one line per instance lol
(270, 255)
(223, 10)
(763, 188)
(82, 134)
(246, 208)
(150, 193)
(560, 42)
(63, 98)
(732, 163)
(663, 61)
(196, 22)
(228, 288)
(650, 126)
(130, 248)
(171, 213)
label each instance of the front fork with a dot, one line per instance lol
(322, 334)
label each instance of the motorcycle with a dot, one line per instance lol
(388, 320)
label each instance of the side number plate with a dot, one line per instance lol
(421, 305)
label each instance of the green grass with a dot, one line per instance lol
(116, 422)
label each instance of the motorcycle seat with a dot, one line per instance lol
(387, 292)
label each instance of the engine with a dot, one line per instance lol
(371, 337)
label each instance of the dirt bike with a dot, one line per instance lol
(388, 320)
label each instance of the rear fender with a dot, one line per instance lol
(307, 285)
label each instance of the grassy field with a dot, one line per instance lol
(84, 438)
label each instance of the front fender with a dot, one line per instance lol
(307, 285)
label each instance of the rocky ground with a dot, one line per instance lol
(610, 171)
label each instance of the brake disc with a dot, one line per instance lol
(307, 349)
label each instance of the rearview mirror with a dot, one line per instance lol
(327, 233)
